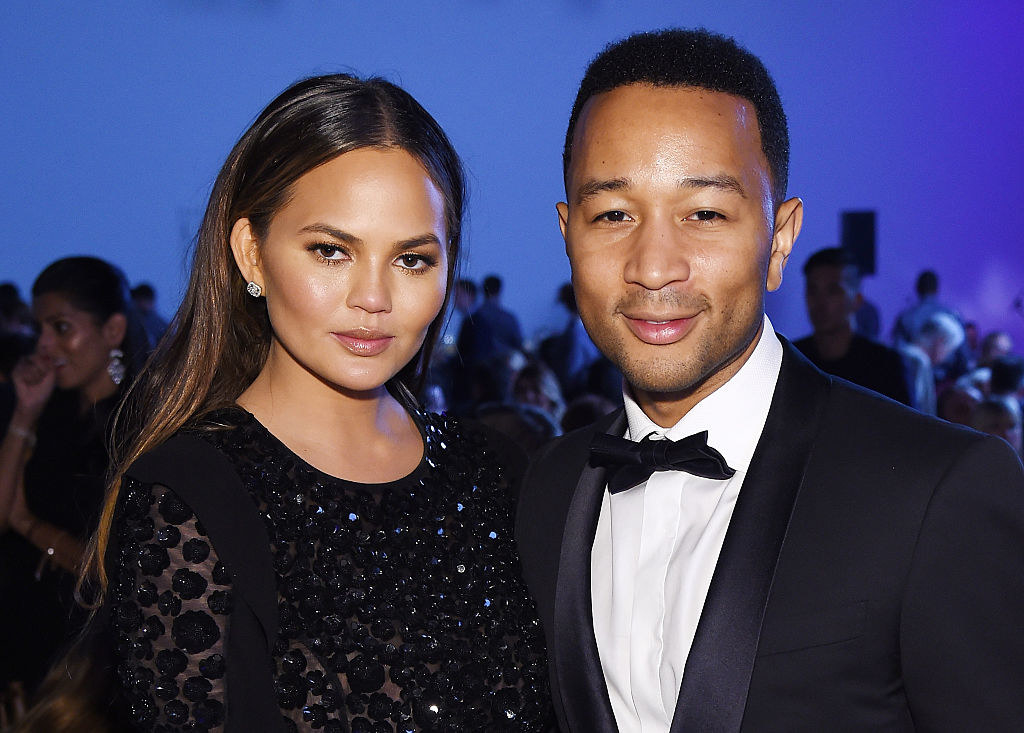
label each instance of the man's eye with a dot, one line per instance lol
(705, 215)
(615, 215)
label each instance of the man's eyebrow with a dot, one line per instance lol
(591, 188)
(722, 181)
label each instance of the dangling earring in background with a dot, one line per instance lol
(116, 367)
(253, 289)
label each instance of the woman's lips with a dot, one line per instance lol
(659, 331)
(363, 342)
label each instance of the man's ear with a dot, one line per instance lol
(563, 217)
(788, 220)
(245, 248)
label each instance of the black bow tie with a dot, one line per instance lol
(630, 463)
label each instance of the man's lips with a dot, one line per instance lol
(364, 341)
(658, 330)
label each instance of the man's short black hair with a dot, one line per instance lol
(691, 58)
(1007, 375)
(143, 291)
(927, 283)
(492, 286)
(835, 257)
(829, 257)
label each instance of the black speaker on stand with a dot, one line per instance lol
(857, 237)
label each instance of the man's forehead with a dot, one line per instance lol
(644, 123)
(664, 98)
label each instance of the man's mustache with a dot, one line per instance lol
(665, 300)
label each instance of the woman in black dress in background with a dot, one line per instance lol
(53, 456)
(291, 543)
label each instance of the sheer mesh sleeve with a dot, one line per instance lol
(170, 603)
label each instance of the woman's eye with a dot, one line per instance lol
(615, 215)
(61, 327)
(328, 251)
(412, 261)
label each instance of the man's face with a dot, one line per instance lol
(830, 299)
(669, 231)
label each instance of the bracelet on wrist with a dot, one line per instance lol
(27, 435)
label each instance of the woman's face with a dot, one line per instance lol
(76, 344)
(354, 268)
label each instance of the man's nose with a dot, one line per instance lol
(659, 255)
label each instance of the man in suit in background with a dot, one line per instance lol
(806, 556)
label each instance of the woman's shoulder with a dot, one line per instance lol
(193, 450)
(193, 463)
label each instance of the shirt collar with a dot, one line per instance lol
(734, 414)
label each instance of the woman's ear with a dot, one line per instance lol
(114, 330)
(245, 248)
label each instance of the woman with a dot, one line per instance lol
(53, 459)
(293, 543)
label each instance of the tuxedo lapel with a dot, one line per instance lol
(581, 684)
(716, 678)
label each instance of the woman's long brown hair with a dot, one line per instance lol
(219, 339)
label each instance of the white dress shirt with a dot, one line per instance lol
(657, 545)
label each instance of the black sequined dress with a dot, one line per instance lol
(399, 605)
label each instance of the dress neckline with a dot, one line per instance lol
(419, 471)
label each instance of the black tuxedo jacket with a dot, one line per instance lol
(871, 579)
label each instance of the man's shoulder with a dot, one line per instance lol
(863, 414)
(805, 344)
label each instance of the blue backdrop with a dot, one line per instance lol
(116, 116)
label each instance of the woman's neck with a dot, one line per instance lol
(361, 436)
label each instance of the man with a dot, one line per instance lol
(144, 298)
(912, 319)
(832, 293)
(490, 332)
(939, 337)
(835, 562)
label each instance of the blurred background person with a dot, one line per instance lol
(994, 345)
(956, 403)
(490, 331)
(17, 338)
(1007, 380)
(999, 417)
(832, 294)
(15, 315)
(912, 319)
(53, 459)
(570, 353)
(144, 298)
(939, 337)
